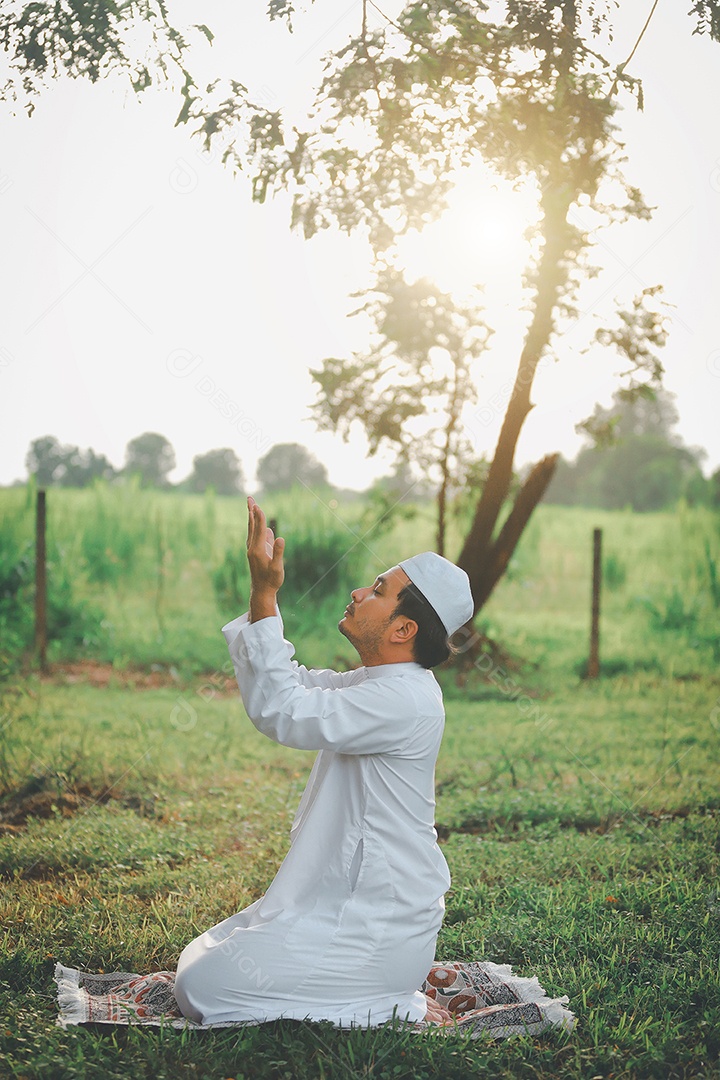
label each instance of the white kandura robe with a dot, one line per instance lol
(346, 931)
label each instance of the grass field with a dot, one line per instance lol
(579, 819)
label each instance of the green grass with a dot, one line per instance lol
(585, 853)
(579, 819)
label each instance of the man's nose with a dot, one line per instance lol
(358, 594)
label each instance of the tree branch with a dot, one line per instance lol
(621, 67)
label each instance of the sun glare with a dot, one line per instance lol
(477, 251)
(478, 242)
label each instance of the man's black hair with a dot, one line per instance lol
(430, 644)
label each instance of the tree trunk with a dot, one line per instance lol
(503, 547)
(455, 404)
(441, 509)
(481, 557)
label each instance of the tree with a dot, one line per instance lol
(637, 461)
(85, 466)
(402, 109)
(652, 412)
(714, 485)
(697, 488)
(151, 457)
(418, 369)
(401, 486)
(217, 469)
(644, 472)
(46, 460)
(399, 111)
(287, 465)
(42, 41)
(65, 466)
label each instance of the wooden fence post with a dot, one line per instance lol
(40, 581)
(593, 668)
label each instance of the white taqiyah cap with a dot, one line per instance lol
(445, 587)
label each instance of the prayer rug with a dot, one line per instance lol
(485, 999)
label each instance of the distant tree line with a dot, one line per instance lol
(634, 460)
(150, 458)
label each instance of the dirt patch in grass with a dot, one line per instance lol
(102, 675)
(156, 677)
(517, 828)
(50, 796)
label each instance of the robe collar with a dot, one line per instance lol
(381, 671)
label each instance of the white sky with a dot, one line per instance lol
(139, 280)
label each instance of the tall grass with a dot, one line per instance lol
(542, 612)
(164, 569)
(71, 623)
(157, 573)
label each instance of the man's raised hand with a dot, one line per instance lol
(265, 558)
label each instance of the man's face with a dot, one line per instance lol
(366, 620)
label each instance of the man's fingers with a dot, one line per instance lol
(256, 524)
(252, 521)
(264, 550)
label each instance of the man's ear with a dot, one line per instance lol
(404, 630)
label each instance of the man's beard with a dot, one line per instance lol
(368, 645)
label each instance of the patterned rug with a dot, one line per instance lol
(485, 999)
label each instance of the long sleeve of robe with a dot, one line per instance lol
(346, 932)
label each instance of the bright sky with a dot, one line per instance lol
(143, 291)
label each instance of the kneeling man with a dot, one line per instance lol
(346, 932)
